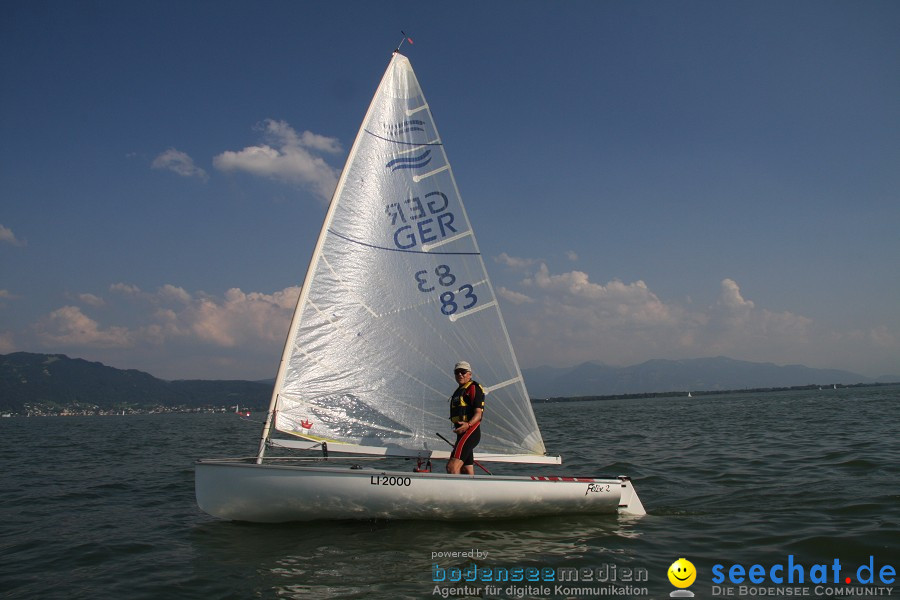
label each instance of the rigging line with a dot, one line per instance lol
(349, 239)
(380, 137)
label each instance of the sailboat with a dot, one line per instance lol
(395, 294)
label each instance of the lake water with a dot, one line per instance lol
(103, 507)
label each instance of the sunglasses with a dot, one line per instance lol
(460, 372)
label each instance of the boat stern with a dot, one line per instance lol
(629, 503)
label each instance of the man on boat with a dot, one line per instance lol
(466, 409)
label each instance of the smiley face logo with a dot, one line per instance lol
(682, 573)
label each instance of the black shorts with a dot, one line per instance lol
(464, 449)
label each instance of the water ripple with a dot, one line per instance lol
(106, 505)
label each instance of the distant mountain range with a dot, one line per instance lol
(55, 380)
(694, 375)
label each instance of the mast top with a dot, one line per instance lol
(405, 38)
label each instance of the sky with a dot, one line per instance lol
(646, 179)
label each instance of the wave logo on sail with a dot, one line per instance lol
(410, 162)
(405, 127)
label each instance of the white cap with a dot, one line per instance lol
(463, 365)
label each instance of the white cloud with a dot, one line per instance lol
(188, 335)
(286, 156)
(514, 297)
(179, 162)
(125, 288)
(175, 293)
(69, 327)
(7, 342)
(565, 318)
(633, 303)
(880, 336)
(553, 318)
(572, 255)
(731, 297)
(284, 135)
(237, 318)
(7, 235)
(5, 295)
(91, 300)
(513, 262)
(734, 313)
(241, 317)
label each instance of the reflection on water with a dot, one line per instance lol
(346, 557)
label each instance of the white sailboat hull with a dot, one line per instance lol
(272, 493)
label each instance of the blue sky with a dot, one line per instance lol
(646, 179)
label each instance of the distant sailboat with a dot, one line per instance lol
(396, 292)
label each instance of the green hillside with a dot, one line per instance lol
(56, 381)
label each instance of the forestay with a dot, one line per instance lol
(396, 293)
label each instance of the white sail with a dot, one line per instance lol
(395, 294)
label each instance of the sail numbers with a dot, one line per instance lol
(451, 301)
(391, 481)
(421, 222)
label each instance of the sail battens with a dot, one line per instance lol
(418, 178)
(420, 147)
(457, 316)
(503, 384)
(411, 111)
(445, 241)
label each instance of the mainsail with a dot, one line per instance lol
(396, 293)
